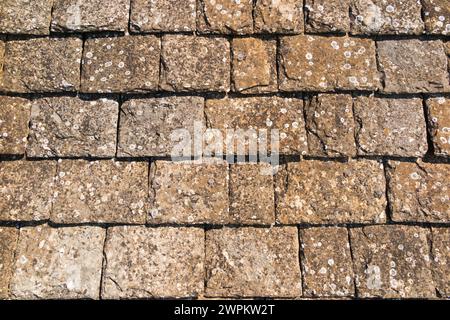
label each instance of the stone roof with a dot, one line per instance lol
(100, 198)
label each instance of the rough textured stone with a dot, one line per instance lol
(327, 15)
(316, 63)
(14, 117)
(90, 15)
(191, 63)
(58, 263)
(225, 16)
(153, 262)
(441, 260)
(281, 16)
(26, 189)
(25, 16)
(2, 58)
(251, 193)
(101, 191)
(437, 16)
(42, 65)
(330, 125)
(413, 66)
(188, 192)
(147, 126)
(121, 64)
(386, 17)
(254, 65)
(393, 127)
(332, 192)
(438, 110)
(258, 115)
(69, 126)
(392, 262)
(327, 262)
(419, 191)
(8, 242)
(252, 262)
(162, 15)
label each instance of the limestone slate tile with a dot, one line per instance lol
(438, 111)
(282, 16)
(324, 16)
(437, 16)
(441, 260)
(8, 243)
(26, 17)
(14, 118)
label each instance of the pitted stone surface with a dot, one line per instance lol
(163, 15)
(441, 260)
(189, 192)
(8, 243)
(419, 191)
(386, 17)
(192, 63)
(42, 65)
(251, 193)
(252, 262)
(332, 192)
(153, 262)
(90, 15)
(25, 16)
(225, 16)
(413, 66)
(438, 110)
(327, 15)
(148, 127)
(58, 263)
(326, 262)
(392, 262)
(258, 116)
(437, 16)
(330, 125)
(254, 65)
(394, 127)
(70, 127)
(121, 64)
(100, 191)
(280, 16)
(26, 190)
(14, 118)
(2, 59)
(317, 63)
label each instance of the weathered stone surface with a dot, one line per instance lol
(255, 116)
(437, 16)
(327, 15)
(153, 262)
(251, 193)
(393, 127)
(121, 64)
(25, 16)
(282, 16)
(419, 191)
(101, 191)
(225, 16)
(58, 263)
(386, 17)
(163, 15)
(441, 260)
(14, 117)
(412, 66)
(191, 63)
(332, 192)
(316, 63)
(26, 189)
(148, 126)
(392, 262)
(330, 125)
(189, 192)
(327, 262)
(254, 65)
(69, 126)
(2, 58)
(42, 65)
(90, 15)
(438, 110)
(252, 262)
(8, 242)
(447, 51)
